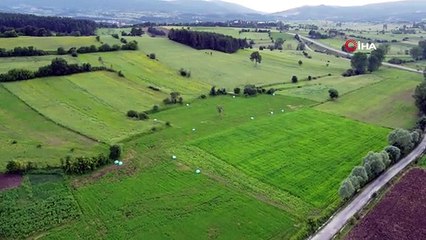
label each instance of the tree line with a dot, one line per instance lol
(156, 32)
(207, 40)
(32, 25)
(374, 164)
(132, 46)
(58, 67)
(22, 52)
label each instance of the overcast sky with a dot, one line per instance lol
(280, 5)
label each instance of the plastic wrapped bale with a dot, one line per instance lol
(198, 171)
(174, 157)
(193, 129)
(116, 162)
(252, 118)
(120, 163)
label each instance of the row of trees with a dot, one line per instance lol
(137, 115)
(83, 165)
(32, 25)
(132, 45)
(361, 62)
(58, 67)
(22, 52)
(207, 40)
(156, 32)
(401, 143)
(174, 98)
(134, 32)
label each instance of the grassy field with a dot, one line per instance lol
(42, 202)
(48, 43)
(317, 90)
(82, 102)
(41, 141)
(30, 63)
(387, 103)
(231, 70)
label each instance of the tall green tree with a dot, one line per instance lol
(256, 58)
(359, 62)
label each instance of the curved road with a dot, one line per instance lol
(333, 226)
(348, 55)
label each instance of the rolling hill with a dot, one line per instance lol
(411, 10)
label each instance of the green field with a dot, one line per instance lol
(317, 90)
(268, 163)
(387, 103)
(48, 43)
(41, 141)
(93, 104)
(231, 70)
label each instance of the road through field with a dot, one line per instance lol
(348, 55)
(334, 225)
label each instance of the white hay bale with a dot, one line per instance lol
(174, 157)
(198, 171)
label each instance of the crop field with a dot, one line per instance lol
(81, 103)
(163, 201)
(47, 43)
(232, 70)
(283, 160)
(42, 202)
(400, 214)
(41, 141)
(388, 103)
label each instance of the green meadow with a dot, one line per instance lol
(48, 43)
(267, 163)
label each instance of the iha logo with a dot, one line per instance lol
(352, 45)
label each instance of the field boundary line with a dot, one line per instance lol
(51, 120)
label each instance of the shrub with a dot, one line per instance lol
(120, 74)
(237, 91)
(132, 114)
(114, 152)
(152, 56)
(143, 116)
(300, 62)
(309, 78)
(203, 96)
(334, 94)
(168, 124)
(421, 123)
(294, 79)
(155, 108)
(361, 174)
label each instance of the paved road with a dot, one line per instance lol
(336, 223)
(348, 55)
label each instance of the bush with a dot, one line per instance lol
(185, 73)
(168, 124)
(83, 165)
(334, 94)
(237, 91)
(120, 74)
(152, 56)
(143, 116)
(300, 63)
(114, 152)
(361, 174)
(294, 79)
(132, 114)
(203, 96)
(155, 108)
(309, 78)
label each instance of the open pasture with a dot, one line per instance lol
(388, 103)
(48, 43)
(42, 141)
(94, 104)
(232, 70)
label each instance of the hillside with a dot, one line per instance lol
(411, 10)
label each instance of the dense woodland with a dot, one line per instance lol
(207, 40)
(12, 25)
